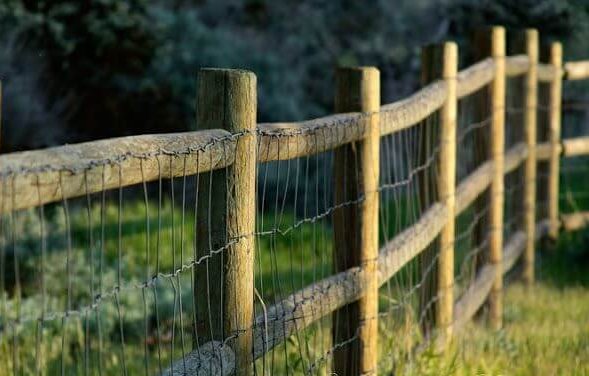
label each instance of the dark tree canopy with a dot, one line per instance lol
(99, 68)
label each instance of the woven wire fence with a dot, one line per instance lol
(126, 278)
(122, 280)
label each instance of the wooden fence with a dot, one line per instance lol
(229, 144)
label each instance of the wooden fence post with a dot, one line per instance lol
(356, 175)
(224, 282)
(554, 138)
(497, 184)
(441, 61)
(491, 42)
(530, 118)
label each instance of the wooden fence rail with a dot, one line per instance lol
(229, 145)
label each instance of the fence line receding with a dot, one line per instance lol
(346, 243)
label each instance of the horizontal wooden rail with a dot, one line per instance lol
(403, 114)
(574, 147)
(471, 187)
(410, 243)
(576, 70)
(299, 310)
(515, 157)
(38, 177)
(516, 65)
(33, 178)
(544, 150)
(212, 359)
(574, 221)
(283, 141)
(547, 73)
(474, 77)
(474, 297)
(304, 307)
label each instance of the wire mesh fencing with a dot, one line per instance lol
(102, 283)
(131, 263)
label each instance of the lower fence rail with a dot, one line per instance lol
(304, 307)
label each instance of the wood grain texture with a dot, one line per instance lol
(223, 286)
(441, 61)
(407, 112)
(33, 178)
(554, 139)
(497, 191)
(212, 358)
(446, 191)
(355, 226)
(283, 141)
(530, 124)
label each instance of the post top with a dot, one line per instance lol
(227, 71)
(360, 69)
(532, 33)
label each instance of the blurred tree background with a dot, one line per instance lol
(76, 70)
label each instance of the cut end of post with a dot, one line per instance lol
(497, 41)
(556, 54)
(358, 89)
(450, 60)
(228, 71)
(226, 99)
(532, 45)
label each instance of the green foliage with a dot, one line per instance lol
(111, 67)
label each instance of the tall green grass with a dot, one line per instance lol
(545, 328)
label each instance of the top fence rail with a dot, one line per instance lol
(33, 178)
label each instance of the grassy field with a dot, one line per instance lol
(546, 327)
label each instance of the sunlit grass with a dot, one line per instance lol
(546, 326)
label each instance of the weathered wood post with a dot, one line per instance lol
(530, 118)
(497, 184)
(356, 175)
(554, 138)
(491, 42)
(224, 282)
(441, 61)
